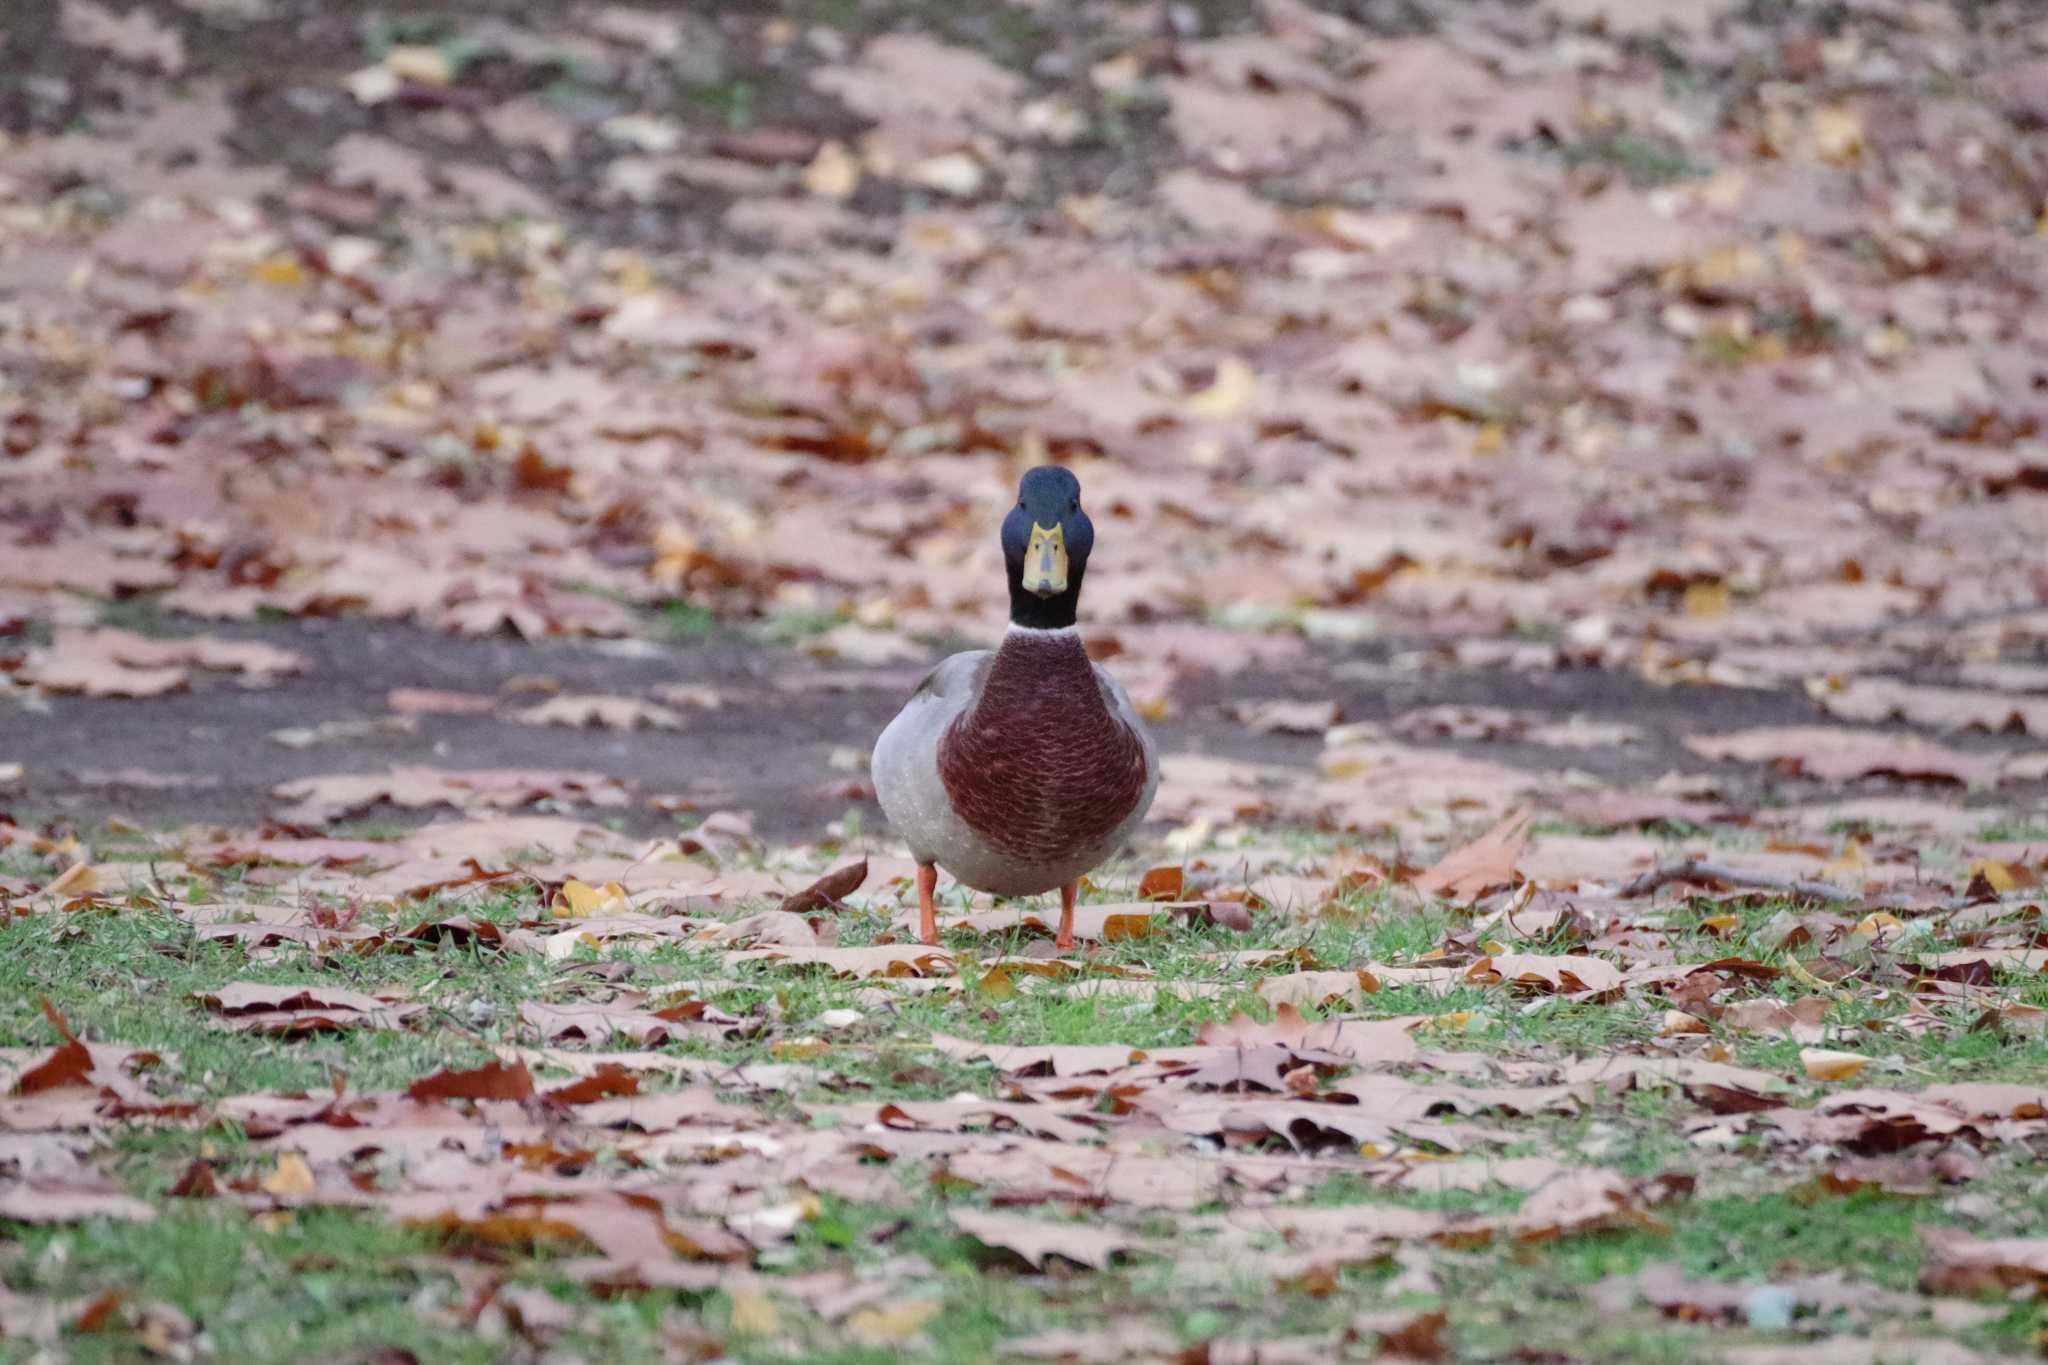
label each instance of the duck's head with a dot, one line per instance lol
(1046, 540)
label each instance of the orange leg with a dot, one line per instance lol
(927, 913)
(1068, 894)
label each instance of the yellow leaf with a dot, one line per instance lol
(280, 269)
(417, 62)
(1491, 439)
(1877, 922)
(79, 879)
(575, 900)
(799, 1049)
(1454, 1021)
(1838, 134)
(1706, 599)
(1824, 1065)
(1849, 863)
(292, 1176)
(561, 947)
(998, 985)
(891, 1326)
(833, 172)
(1998, 874)
(1721, 924)
(1806, 978)
(1677, 1022)
(753, 1313)
(1232, 391)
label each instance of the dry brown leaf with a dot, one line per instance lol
(1288, 717)
(1801, 1020)
(491, 1081)
(1843, 755)
(610, 713)
(1567, 974)
(1486, 864)
(1036, 1240)
(892, 959)
(894, 1325)
(826, 892)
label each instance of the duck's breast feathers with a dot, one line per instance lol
(1049, 764)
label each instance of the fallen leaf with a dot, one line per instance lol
(826, 892)
(892, 1326)
(1822, 1064)
(753, 1313)
(1036, 1240)
(610, 713)
(491, 1081)
(1486, 864)
(291, 1177)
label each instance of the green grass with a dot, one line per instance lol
(332, 1281)
(794, 627)
(1644, 161)
(678, 619)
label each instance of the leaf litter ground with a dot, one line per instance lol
(1573, 510)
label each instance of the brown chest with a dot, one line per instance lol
(1042, 767)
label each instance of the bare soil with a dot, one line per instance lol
(208, 754)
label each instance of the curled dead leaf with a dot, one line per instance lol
(1823, 1064)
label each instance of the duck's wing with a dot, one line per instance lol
(905, 764)
(945, 692)
(954, 682)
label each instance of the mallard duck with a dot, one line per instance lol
(1020, 768)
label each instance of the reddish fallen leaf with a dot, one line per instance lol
(1402, 1334)
(826, 892)
(69, 1065)
(1161, 883)
(606, 1081)
(491, 1081)
(98, 1315)
(197, 1182)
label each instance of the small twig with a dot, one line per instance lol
(1699, 870)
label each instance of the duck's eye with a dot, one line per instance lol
(1074, 505)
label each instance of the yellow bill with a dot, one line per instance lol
(1045, 561)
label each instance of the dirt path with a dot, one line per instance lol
(787, 741)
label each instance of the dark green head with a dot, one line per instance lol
(1046, 540)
